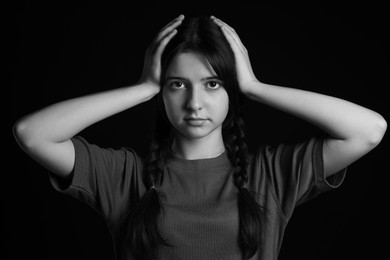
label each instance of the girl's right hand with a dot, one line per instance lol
(152, 63)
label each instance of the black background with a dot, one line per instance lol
(60, 50)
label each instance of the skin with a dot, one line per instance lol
(352, 130)
(45, 134)
(193, 91)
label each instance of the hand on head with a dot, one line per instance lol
(245, 74)
(152, 63)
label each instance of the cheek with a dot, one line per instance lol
(221, 105)
(171, 106)
(218, 107)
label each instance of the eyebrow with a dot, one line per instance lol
(185, 79)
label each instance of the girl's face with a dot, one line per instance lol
(195, 100)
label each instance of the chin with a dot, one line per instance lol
(196, 132)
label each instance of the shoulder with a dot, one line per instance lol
(88, 152)
(287, 150)
(273, 160)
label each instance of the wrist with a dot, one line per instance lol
(253, 89)
(147, 89)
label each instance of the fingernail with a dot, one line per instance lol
(181, 16)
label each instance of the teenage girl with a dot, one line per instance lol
(199, 194)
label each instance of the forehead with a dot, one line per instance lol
(190, 65)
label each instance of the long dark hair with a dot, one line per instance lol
(201, 35)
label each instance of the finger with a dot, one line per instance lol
(230, 38)
(230, 30)
(180, 17)
(222, 24)
(161, 46)
(169, 27)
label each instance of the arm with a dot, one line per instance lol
(45, 134)
(352, 129)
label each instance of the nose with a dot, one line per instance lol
(194, 99)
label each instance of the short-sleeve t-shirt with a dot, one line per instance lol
(199, 199)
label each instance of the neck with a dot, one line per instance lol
(202, 148)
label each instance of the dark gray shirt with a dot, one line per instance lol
(198, 197)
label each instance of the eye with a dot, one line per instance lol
(213, 84)
(177, 85)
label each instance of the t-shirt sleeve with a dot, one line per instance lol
(104, 178)
(295, 173)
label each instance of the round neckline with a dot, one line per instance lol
(205, 165)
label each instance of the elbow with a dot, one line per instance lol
(22, 134)
(377, 131)
(18, 132)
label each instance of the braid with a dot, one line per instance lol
(142, 230)
(250, 212)
(242, 158)
(153, 165)
(238, 151)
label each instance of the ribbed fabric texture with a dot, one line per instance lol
(199, 198)
(201, 216)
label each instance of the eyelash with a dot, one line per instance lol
(175, 83)
(217, 83)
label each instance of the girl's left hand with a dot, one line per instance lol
(245, 76)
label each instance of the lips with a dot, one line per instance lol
(194, 118)
(195, 121)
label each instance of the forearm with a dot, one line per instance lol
(61, 121)
(339, 118)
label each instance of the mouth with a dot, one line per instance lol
(194, 118)
(195, 121)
